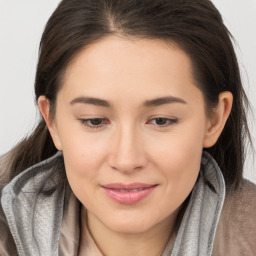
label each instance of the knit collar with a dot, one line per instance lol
(35, 200)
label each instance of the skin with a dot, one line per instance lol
(128, 143)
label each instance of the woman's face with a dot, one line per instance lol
(131, 123)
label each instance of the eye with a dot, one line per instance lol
(162, 121)
(94, 122)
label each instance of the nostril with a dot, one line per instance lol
(126, 152)
(127, 164)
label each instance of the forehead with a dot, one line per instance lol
(139, 66)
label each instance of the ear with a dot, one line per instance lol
(44, 107)
(218, 118)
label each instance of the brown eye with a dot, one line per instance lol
(162, 121)
(94, 122)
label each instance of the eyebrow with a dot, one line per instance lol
(163, 100)
(147, 103)
(92, 101)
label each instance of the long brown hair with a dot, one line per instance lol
(195, 25)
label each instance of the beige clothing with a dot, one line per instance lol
(236, 231)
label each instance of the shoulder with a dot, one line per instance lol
(236, 231)
(7, 245)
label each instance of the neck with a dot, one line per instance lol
(150, 242)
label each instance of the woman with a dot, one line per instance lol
(141, 144)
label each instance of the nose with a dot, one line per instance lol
(127, 153)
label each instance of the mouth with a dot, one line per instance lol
(128, 193)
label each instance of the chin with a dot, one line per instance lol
(130, 223)
(129, 228)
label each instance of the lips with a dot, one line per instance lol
(128, 193)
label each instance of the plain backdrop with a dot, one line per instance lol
(21, 26)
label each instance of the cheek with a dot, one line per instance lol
(82, 150)
(180, 166)
(84, 156)
(179, 158)
(83, 164)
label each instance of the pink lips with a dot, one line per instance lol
(128, 194)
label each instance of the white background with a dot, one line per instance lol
(21, 25)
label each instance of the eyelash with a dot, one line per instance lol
(86, 122)
(104, 121)
(169, 121)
